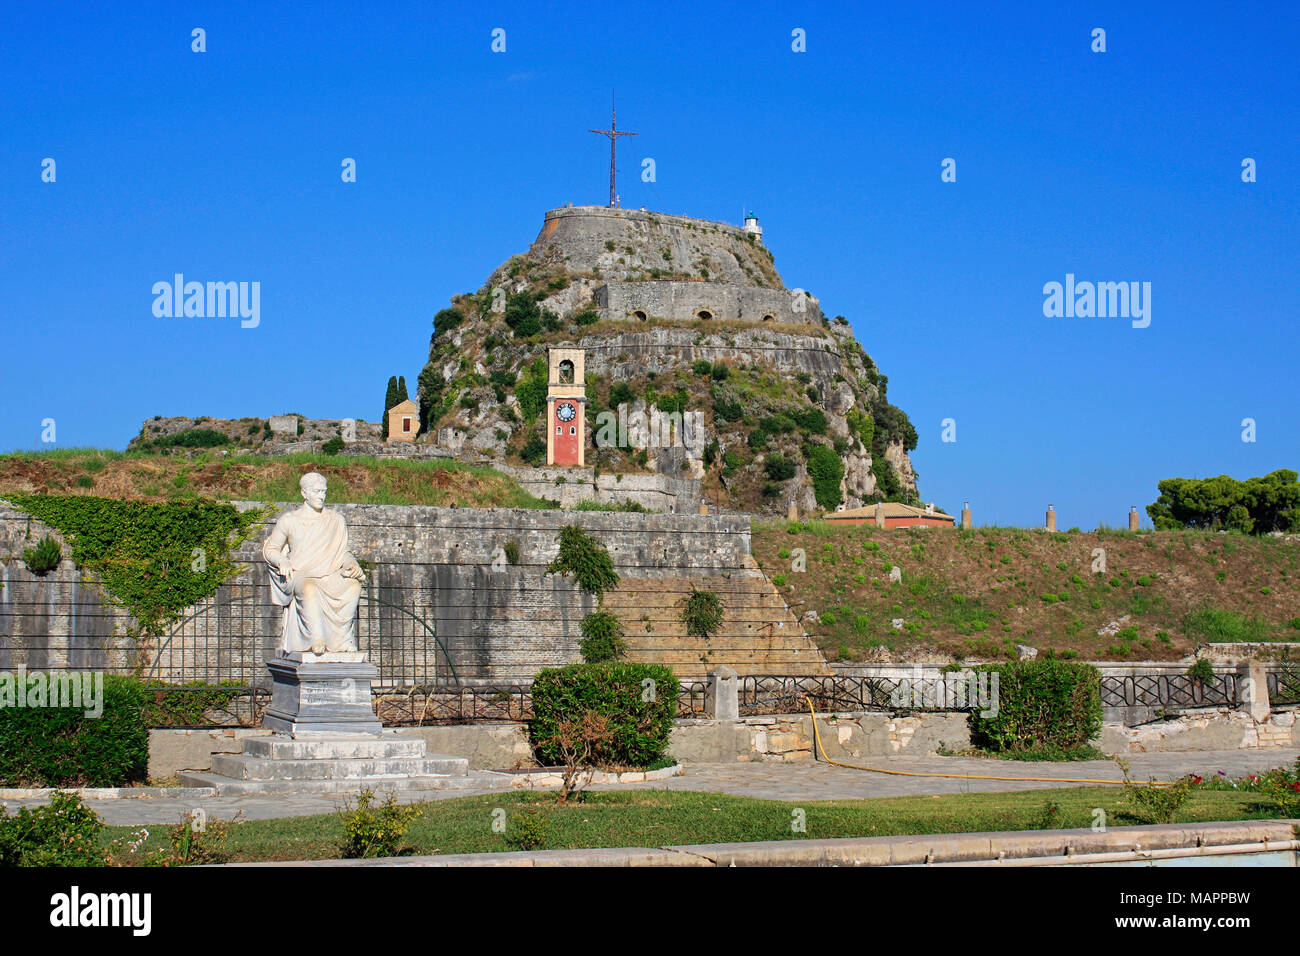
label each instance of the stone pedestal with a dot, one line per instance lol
(722, 695)
(321, 693)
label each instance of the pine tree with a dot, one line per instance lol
(390, 399)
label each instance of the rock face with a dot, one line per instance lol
(681, 319)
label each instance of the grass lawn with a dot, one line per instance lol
(663, 817)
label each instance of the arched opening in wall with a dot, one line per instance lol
(566, 372)
(768, 316)
(639, 315)
(704, 314)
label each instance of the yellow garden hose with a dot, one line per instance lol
(956, 776)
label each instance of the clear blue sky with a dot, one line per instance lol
(225, 165)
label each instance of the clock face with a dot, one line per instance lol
(566, 412)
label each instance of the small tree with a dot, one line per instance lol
(578, 740)
(702, 613)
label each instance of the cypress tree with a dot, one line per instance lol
(390, 399)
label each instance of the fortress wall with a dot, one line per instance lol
(429, 569)
(684, 300)
(595, 239)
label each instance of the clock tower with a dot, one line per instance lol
(566, 401)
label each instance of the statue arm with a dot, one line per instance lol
(273, 549)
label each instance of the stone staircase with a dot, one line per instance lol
(338, 763)
(759, 634)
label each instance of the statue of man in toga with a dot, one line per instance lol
(313, 575)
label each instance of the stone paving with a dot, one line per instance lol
(799, 781)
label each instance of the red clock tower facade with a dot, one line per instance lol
(566, 400)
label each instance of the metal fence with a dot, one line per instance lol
(777, 693)
(1284, 684)
(229, 637)
(420, 706)
(1170, 691)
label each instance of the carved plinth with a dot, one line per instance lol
(321, 693)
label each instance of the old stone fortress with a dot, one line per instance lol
(739, 291)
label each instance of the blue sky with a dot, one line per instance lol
(1115, 166)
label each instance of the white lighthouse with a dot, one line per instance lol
(751, 227)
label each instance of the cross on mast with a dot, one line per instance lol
(613, 133)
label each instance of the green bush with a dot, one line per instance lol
(534, 450)
(1202, 670)
(1040, 704)
(62, 747)
(191, 438)
(333, 446)
(702, 613)
(374, 831)
(43, 558)
(826, 469)
(602, 638)
(620, 393)
(446, 322)
(531, 390)
(812, 420)
(586, 559)
(64, 833)
(778, 467)
(639, 702)
(523, 315)
(527, 830)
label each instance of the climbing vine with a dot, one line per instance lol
(586, 559)
(702, 613)
(154, 559)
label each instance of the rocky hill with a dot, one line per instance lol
(677, 316)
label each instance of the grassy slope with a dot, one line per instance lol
(662, 818)
(977, 593)
(131, 475)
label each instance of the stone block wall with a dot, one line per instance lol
(431, 571)
(789, 737)
(684, 301)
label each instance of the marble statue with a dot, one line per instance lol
(313, 575)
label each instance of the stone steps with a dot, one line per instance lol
(387, 746)
(338, 763)
(245, 767)
(475, 780)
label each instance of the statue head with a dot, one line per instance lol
(312, 485)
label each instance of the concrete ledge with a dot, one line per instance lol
(108, 793)
(551, 777)
(1025, 847)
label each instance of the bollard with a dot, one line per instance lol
(1252, 683)
(722, 695)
